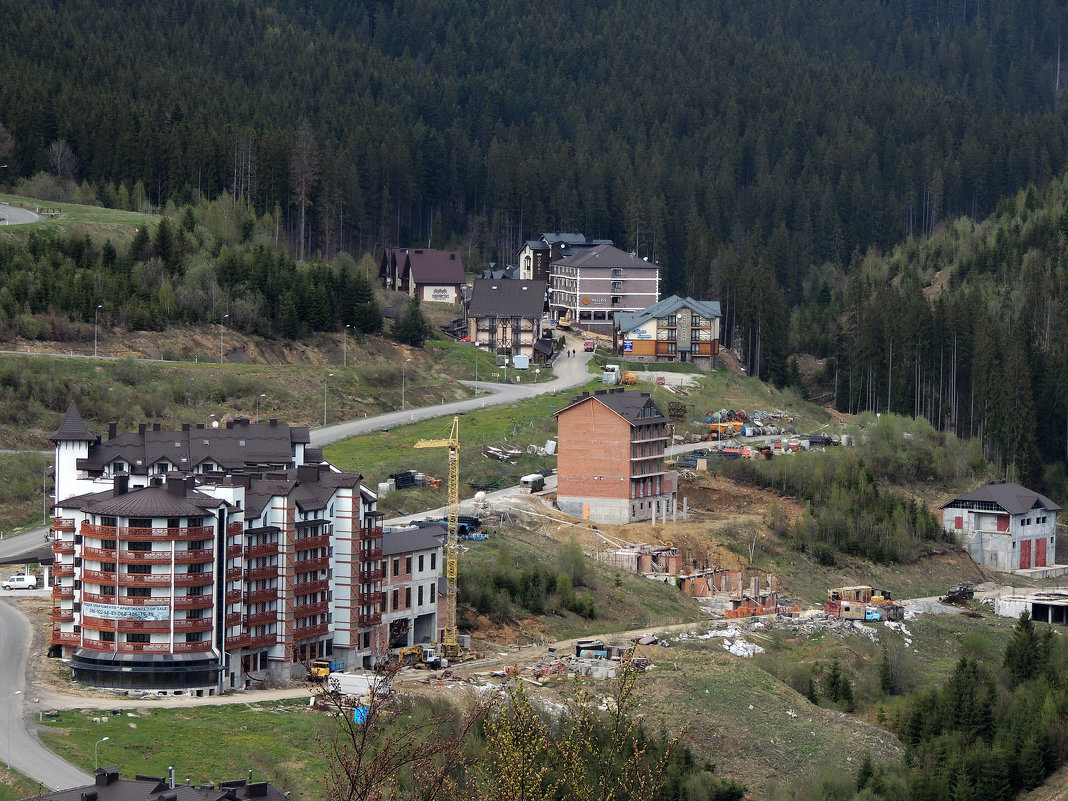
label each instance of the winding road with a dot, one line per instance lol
(13, 215)
(28, 755)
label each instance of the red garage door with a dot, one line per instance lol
(1040, 552)
(1025, 554)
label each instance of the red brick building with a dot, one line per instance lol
(611, 458)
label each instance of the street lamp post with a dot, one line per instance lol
(44, 496)
(325, 382)
(96, 752)
(96, 318)
(264, 395)
(9, 716)
(403, 365)
(345, 346)
(222, 326)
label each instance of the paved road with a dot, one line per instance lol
(571, 371)
(28, 755)
(13, 215)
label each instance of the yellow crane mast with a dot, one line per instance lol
(450, 644)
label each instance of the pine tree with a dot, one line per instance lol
(411, 326)
(886, 675)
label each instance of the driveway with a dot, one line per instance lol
(13, 215)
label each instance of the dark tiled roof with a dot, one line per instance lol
(436, 267)
(545, 346)
(627, 403)
(413, 539)
(628, 321)
(72, 428)
(606, 256)
(1013, 498)
(241, 444)
(507, 298)
(144, 502)
(109, 787)
(307, 492)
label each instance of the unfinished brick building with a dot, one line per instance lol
(611, 463)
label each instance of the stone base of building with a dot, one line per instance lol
(1049, 571)
(617, 511)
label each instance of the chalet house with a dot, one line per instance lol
(1004, 526)
(673, 330)
(592, 287)
(610, 467)
(506, 317)
(435, 276)
(536, 255)
(169, 578)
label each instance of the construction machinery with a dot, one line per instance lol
(321, 668)
(450, 642)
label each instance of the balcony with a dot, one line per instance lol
(312, 565)
(66, 637)
(372, 597)
(62, 546)
(263, 549)
(314, 630)
(103, 554)
(150, 534)
(370, 554)
(315, 608)
(368, 576)
(234, 529)
(260, 596)
(234, 551)
(148, 579)
(60, 569)
(242, 640)
(62, 592)
(63, 615)
(261, 573)
(63, 524)
(233, 574)
(233, 619)
(193, 602)
(233, 596)
(370, 619)
(159, 600)
(196, 556)
(309, 543)
(139, 626)
(307, 587)
(203, 624)
(262, 618)
(263, 641)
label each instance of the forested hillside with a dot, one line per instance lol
(738, 143)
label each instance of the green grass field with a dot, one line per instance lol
(119, 226)
(13, 785)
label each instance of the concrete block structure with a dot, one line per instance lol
(173, 576)
(1006, 527)
(611, 458)
(412, 564)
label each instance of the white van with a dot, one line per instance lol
(20, 582)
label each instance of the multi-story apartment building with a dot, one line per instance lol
(590, 288)
(673, 330)
(505, 317)
(414, 587)
(610, 467)
(536, 255)
(167, 579)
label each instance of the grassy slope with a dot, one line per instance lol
(99, 223)
(14, 786)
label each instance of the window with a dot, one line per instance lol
(138, 592)
(408, 565)
(617, 286)
(432, 588)
(107, 567)
(420, 563)
(137, 545)
(138, 637)
(108, 544)
(617, 272)
(194, 636)
(396, 567)
(140, 522)
(407, 597)
(433, 561)
(396, 600)
(420, 594)
(107, 636)
(194, 614)
(142, 569)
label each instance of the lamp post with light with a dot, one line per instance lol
(96, 318)
(9, 716)
(96, 752)
(325, 383)
(345, 346)
(222, 327)
(258, 398)
(403, 365)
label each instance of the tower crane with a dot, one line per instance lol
(450, 644)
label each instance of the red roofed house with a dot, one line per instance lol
(431, 275)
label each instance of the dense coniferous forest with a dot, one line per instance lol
(766, 154)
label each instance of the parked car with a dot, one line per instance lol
(21, 582)
(660, 380)
(588, 345)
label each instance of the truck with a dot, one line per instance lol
(359, 684)
(321, 668)
(424, 657)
